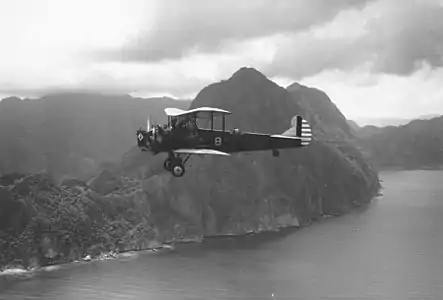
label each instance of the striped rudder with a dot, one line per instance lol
(300, 128)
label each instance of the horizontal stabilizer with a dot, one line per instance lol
(280, 136)
(201, 152)
(300, 129)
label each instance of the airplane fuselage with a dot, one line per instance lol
(182, 136)
(231, 142)
(225, 141)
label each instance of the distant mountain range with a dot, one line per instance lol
(383, 122)
(71, 134)
(415, 145)
(78, 134)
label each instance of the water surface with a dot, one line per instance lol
(392, 249)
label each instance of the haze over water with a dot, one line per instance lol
(392, 249)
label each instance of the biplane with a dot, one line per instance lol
(182, 137)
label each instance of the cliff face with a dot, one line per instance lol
(136, 204)
(416, 145)
(70, 135)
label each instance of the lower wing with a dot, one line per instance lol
(201, 152)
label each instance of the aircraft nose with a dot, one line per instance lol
(140, 136)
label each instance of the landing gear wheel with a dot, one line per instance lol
(168, 165)
(178, 169)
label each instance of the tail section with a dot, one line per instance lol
(300, 128)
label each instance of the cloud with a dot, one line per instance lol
(183, 27)
(360, 94)
(146, 80)
(393, 36)
(375, 57)
(179, 78)
(44, 42)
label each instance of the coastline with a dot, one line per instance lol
(404, 168)
(18, 270)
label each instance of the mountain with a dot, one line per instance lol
(381, 122)
(353, 125)
(71, 134)
(416, 145)
(370, 130)
(135, 204)
(321, 112)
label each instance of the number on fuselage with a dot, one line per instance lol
(218, 141)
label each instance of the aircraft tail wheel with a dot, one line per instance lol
(178, 170)
(275, 153)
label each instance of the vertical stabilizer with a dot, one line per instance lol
(300, 128)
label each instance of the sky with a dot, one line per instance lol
(374, 58)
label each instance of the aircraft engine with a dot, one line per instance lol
(152, 137)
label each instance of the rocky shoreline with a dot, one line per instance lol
(16, 270)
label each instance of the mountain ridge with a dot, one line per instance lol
(392, 121)
(415, 145)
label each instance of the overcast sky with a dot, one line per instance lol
(374, 58)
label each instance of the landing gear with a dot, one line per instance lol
(168, 164)
(178, 170)
(175, 165)
(275, 153)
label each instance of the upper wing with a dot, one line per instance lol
(201, 152)
(199, 112)
(173, 112)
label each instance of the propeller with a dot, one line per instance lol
(153, 134)
(147, 138)
(151, 130)
(148, 124)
